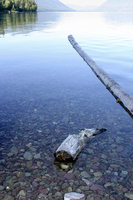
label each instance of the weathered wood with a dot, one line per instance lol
(73, 144)
(121, 96)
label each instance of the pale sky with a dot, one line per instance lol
(84, 2)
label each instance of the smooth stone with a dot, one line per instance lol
(1, 187)
(97, 187)
(114, 179)
(108, 171)
(27, 174)
(97, 174)
(129, 195)
(34, 183)
(90, 151)
(88, 182)
(124, 172)
(116, 173)
(14, 150)
(8, 197)
(29, 164)
(10, 154)
(74, 196)
(58, 194)
(28, 155)
(37, 156)
(21, 193)
(103, 156)
(69, 176)
(85, 174)
(70, 189)
(114, 166)
(19, 174)
(107, 184)
(64, 166)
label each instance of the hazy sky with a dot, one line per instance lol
(84, 2)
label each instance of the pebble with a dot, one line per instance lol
(37, 156)
(8, 197)
(64, 166)
(97, 174)
(97, 187)
(114, 166)
(27, 174)
(129, 195)
(74, 196)
(124, 172)
(28, 169)
(58, 194)
(21, 193)
(14, 150)
(1, 187)
(10, 154)
(88, 182)
(28, 155)
(69, 176)
(85, 174)
(107, 184)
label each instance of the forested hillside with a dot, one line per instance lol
(18, 5)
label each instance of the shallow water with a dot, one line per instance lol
(48, 91)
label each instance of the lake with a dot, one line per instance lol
(47, 92)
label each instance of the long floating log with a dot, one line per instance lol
(73, 144)
(122, 97)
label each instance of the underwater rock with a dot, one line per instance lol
(74, 196)
(28, 155)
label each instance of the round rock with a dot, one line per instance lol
(74, 195)
(28, 155)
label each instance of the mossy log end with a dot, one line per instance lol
(73, 144)
(122, 97)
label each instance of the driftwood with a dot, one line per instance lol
(73, 144)
(121, 96)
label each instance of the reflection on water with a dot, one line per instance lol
(17, 22)
(119, 17)
(26, 22)
(47, 92)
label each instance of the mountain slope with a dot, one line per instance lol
(82, 8)
(116, 6)
(51, 5)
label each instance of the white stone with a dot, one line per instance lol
(74, 196)
(28, 155)
(97, 174)
(37, 156)
(124, 172)
(85, 174)
(129, 195)
(64, 166)
(21, 193)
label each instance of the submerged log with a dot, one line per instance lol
(122, 97)
(73, 144)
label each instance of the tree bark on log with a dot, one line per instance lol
(122, 97)
(73, 144)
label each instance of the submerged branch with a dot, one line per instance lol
(122, 97)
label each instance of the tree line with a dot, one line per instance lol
(18, 5)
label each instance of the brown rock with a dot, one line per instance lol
(97, 187)
(70, 176)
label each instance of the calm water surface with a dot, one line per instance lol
(47, 91)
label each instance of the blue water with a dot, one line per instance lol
(46, 86)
